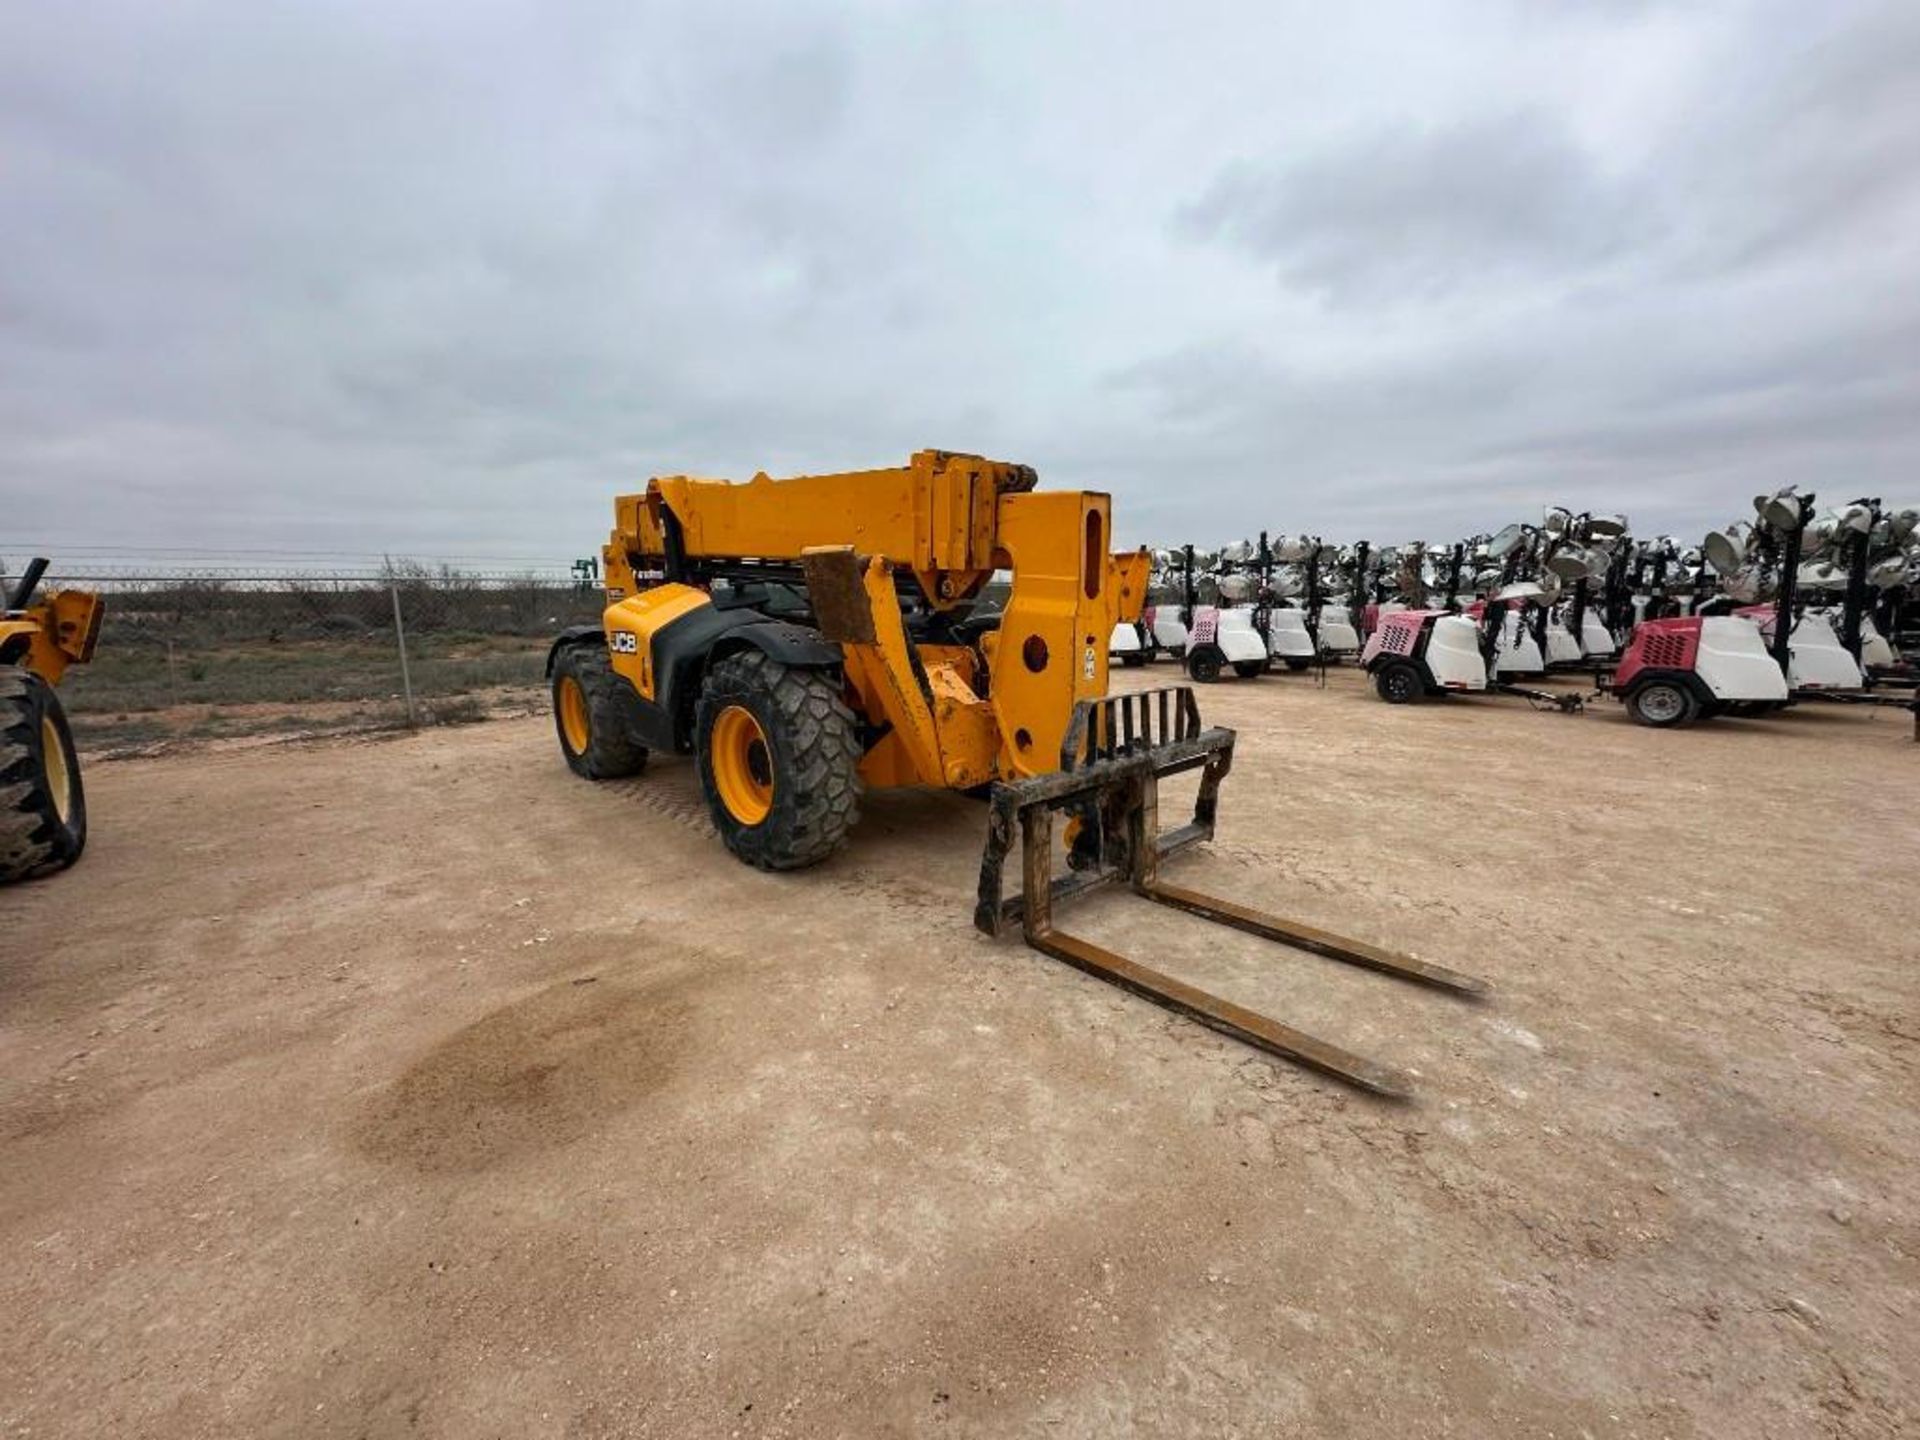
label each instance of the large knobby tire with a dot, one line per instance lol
(779, 755)
(1203, 663)
(43, 809)
(592, 715)
(1398, 683)
(1663, 704)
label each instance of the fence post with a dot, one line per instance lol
(400, 638)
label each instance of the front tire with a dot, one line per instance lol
(779, 760)
(43, 807)
(592, 715)
(1664, 705)
(1399, 683)
(1203, 663)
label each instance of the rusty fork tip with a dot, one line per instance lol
(1387, 1083)
(1458, 981)
(1356, 1072)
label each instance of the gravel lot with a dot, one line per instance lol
(415, 1087)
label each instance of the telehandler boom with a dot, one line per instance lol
(43, 809)
(808, 638)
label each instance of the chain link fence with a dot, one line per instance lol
(204, 657)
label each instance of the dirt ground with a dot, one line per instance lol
(412, 1087)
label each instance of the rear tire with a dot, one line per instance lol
(43, 807)
(1296, 663)
(1203, 663)
(1399, 683)
(593, 715)
(779, 755)
(1664, 705)
(1247, 669)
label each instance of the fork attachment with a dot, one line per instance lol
(1112, 761)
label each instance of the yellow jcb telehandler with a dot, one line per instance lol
(43, 810)
(805, 639)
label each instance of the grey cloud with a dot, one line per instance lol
(1789, 144)
(1426, 209)
(443, 278)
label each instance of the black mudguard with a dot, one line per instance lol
(573, 635)
(683, 649)
(799, 646)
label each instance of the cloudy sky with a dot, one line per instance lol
(440, 278)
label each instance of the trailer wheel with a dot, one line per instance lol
(1247, 669)
(1399, 683)
(779, 761)
(1203, 663)
(591, 702)
(43, 807)
(1663, 704)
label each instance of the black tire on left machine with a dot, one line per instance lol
(43, 807)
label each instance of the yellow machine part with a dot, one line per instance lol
(1132, 574)
(61, 630)
(934, 515)
(632, 623)
(952, 520)
(1049, 653)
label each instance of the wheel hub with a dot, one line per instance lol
(742, 765)
(575, 724)
(59, 776)
(1662, 703)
